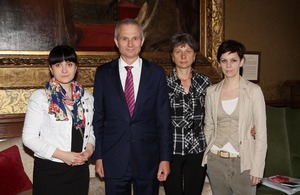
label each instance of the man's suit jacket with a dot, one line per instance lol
(252, 113)
(143, 140)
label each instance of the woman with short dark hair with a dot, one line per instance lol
(235, 158)
(58, 129)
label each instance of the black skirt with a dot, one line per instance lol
(52, 178)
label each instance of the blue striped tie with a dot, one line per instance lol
(129, 90)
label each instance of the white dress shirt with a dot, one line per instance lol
(136, 73)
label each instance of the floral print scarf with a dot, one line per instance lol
(58, 102)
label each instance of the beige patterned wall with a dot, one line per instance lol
(14, 101)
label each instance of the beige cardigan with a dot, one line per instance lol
(252, 113)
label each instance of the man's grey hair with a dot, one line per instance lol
(126, 22)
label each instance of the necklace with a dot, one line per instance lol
(68, 94)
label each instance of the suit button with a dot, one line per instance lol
(86, 136)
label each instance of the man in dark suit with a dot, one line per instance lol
(133, 140)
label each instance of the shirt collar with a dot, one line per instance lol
(136, 64)
(173, 76)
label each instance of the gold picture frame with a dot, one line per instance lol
(29, 69)
(21, 72)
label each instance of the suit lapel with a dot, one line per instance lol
(144, 80)
(116, 82)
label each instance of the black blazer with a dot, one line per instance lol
(146, 138)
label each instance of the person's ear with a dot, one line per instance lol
(116, 42)
(51, 71)
(242, 62)
(172, 57)
(143, 39)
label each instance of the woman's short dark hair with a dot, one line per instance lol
(182, 39)
(62, 53)
(231, 46)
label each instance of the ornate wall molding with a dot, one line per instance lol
(212, 28)
(217, 26)
(25, 72)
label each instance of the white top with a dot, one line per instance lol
(229, 105)
(136, 73)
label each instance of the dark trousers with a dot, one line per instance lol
(124, 185)
(187, 175)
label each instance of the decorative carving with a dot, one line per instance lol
(26, 72)
(214, 29)
(217, 26)
(24, 77)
